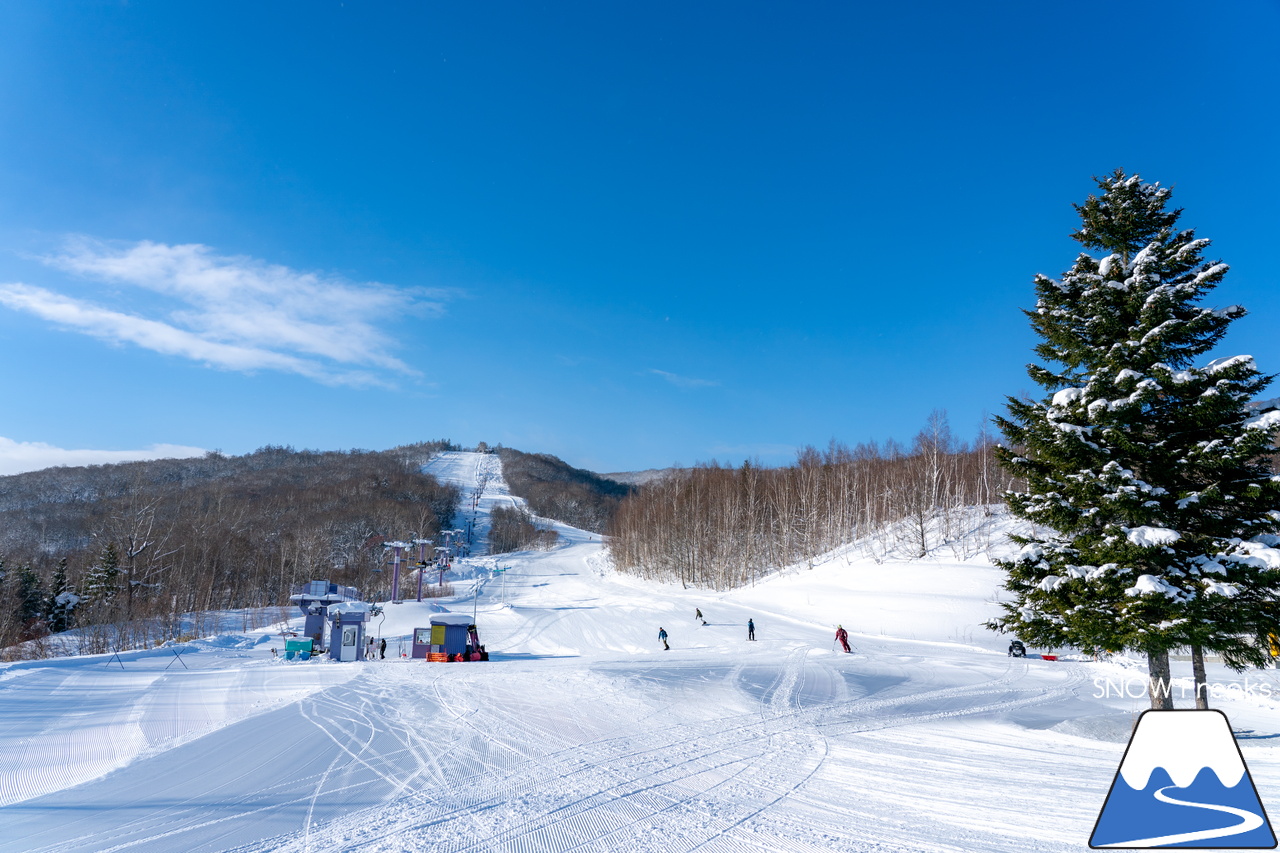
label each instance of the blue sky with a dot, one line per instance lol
(629, 234)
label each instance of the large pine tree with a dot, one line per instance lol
(60, 604)
(1146, 475)
(30, 599)
(102, 582)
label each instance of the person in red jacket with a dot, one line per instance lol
(843, 636)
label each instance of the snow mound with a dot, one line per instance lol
(1110, 728)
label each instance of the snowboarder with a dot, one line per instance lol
(697, 614)
(843, 636)
(382, 649)
(751, 629)
(662, 635)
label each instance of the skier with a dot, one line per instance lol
(697, 614)
(843, 636)
(751, 629)
(382, 649)
(662, 635)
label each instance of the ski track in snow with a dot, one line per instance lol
(580, 735)
(683, 787)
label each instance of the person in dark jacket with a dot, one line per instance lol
(751, 629)
(662, 635)
(382, 649)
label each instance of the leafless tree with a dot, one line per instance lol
(720, 527)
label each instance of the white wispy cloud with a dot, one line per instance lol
(232, 312)
(683, 381)
(19, 456)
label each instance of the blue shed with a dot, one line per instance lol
(451, 634)
(346, 635)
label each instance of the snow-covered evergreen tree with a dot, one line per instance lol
(61, 602)
(1145, 474)
(30, 599)
(102, 582)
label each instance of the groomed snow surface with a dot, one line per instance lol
(582, 734)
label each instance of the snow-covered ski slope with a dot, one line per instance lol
(583, 734)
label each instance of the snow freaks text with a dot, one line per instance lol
(1136, 688)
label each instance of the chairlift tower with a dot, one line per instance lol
(442, 562)
(396, 547)
(422, 561)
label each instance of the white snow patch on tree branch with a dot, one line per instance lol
(1266, 420)
(1152, 584)
(1152, 537)
(1220, 364)
(1067, 396)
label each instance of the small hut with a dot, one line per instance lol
(453, 637)
(313, 599)
(347, 631)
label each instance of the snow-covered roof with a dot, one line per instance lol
(451, 619)
(349, 607)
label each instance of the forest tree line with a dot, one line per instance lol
(139, 544)
(721, 527)
(514, 529)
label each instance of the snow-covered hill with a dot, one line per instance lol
(582, 733)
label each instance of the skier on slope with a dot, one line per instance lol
(662, 635)
(751, 629)
(843, 636)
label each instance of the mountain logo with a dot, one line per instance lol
(1183, 783)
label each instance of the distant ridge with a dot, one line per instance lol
(555, 489)
(641, 478)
